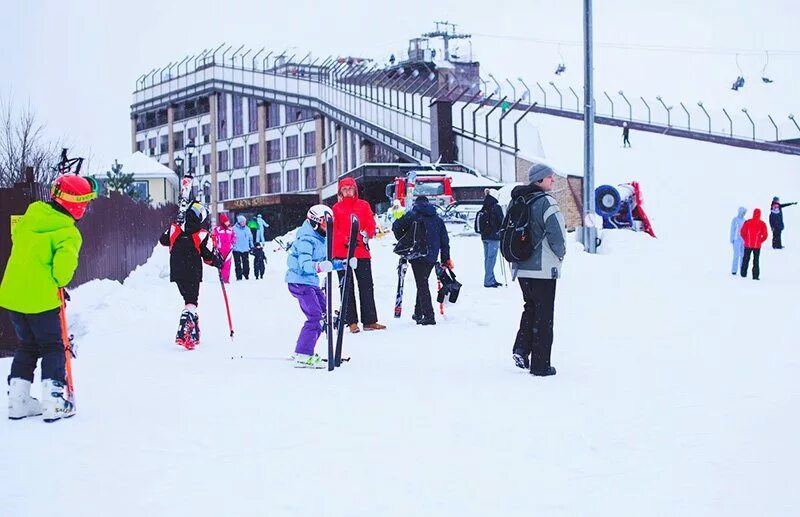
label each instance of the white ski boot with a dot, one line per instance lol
(20, 403)
(308, 361)
(55, 405)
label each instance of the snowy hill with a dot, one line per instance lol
(675, 393)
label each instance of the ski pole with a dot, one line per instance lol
(67, 348)
(503, 267)
(227, 306)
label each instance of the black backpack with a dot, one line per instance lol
(483, 222)
(516, 240)
(413, 244)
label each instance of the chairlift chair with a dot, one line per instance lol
(764, 77)
(561, 68)
(739, 82)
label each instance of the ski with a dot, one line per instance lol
(328, 321)
(183, 200)
(347, 281)
(402, 267)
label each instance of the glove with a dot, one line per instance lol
(217, 261)
(324, 267)
(339, 264)
(364, 239)
(450, 264)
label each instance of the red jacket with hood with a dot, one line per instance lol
(342, 211)
(754, 231)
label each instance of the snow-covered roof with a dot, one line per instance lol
(465, 179)
(144, 167)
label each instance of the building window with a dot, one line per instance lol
(345, 135)
(295, 114)
(140, 145)
(206, 190)
(151, 144)
(222, 161)
(238, 188)
(253, 155)
(255, 186)
(292, 180)
(353, 155)
(273, 150)
(310, 142)
(177, 140)
(164, 144)
(291, 146)
(252, 114)
(222, 115)
(223, 190)
(141, 188)
(207, 164)
(273, 115)
(238, 123)
(206, 129)
(193, 134)
(331, 172)
(193, 163)
(238, 159)
(311, 177)
(274, 182)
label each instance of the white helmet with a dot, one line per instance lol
(317, 213)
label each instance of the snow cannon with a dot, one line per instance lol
(621, 207)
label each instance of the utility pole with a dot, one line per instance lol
(446, 36)
(589, 232)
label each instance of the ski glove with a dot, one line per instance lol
(336, 264)
(450, 264)
(364, 239)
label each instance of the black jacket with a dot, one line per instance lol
(492, 208)
(438, 240)
(185, 259)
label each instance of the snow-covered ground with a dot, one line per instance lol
(676, 391)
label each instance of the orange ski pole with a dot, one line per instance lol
(67, 346)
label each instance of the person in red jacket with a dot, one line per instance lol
(350, 204)
(754, 233)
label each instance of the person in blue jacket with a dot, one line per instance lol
(242, 245)
(736, 240)
(437, 242)
(307, 258)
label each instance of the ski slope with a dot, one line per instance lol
(675, 393)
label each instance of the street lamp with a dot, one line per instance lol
(179, 166)
(189, 151)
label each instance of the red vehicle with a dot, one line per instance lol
(436, 186)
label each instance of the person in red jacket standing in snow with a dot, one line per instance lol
(754, 233)
(350, 204)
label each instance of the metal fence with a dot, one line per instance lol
(118, 235)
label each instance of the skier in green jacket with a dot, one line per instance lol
(44, 256)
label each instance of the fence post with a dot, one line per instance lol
(791, 117)
(730, 120)
(516, 147)
(611, 101)
(777, 138)
(669, 119)
(649, 119)
(577, 100)
(501, 101)
(688, 117)
(544, 93)
(744, 110)
(700, 103)
(630, 108)
(560, 98)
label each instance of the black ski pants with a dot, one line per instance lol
(422, 272)
(366, 294)
(535, 334)
(190, 290)
(776, 238)
(39, 336)
(746, 262)
(241, 263)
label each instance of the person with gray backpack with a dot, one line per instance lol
(533, 239)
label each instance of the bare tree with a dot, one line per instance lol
(23, 142)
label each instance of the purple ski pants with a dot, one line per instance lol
(312, 303)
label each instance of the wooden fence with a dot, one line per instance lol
(118, 235)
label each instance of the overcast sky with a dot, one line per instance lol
(77, 61)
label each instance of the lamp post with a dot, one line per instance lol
(189, 151)
(179, 166)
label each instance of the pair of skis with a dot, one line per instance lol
(336, 352)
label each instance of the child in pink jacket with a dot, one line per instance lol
(223, 240)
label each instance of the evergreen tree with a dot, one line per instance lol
(118, 181)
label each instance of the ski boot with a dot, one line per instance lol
(55, 404)
(521, 360)
(20, 402)
(308, 361)
(188, 330)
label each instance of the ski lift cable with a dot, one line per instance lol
(645, 47)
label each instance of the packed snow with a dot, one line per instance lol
(675, 393)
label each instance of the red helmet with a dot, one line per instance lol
(73, 192)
